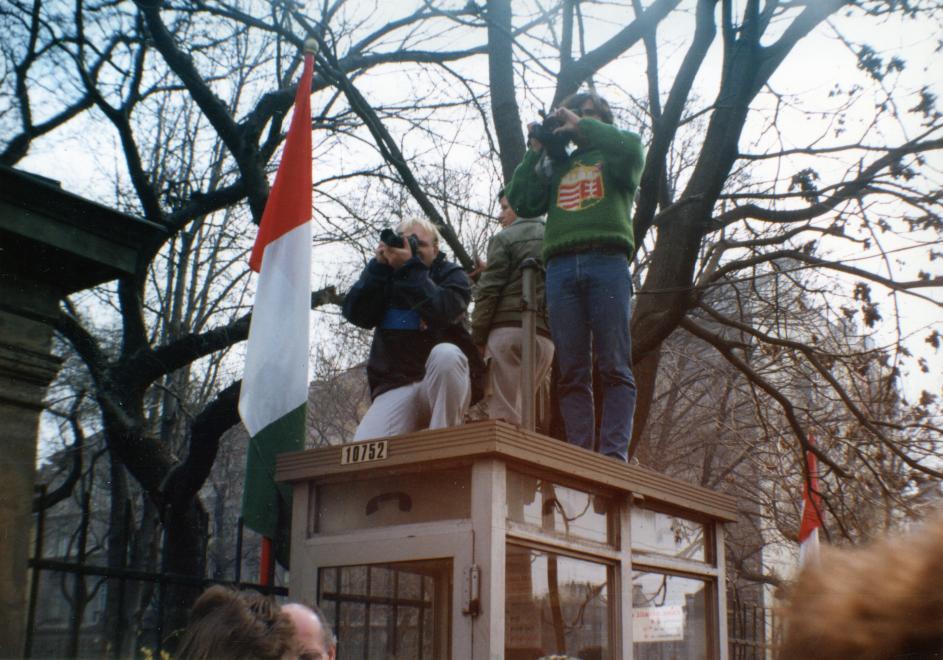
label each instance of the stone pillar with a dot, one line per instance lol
(26, 369)
(52, 243)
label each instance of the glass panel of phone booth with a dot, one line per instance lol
(670, 617)
(394, 610)
(665, 534)
(557, 509)
(556, 605)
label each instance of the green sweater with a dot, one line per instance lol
(588, 197)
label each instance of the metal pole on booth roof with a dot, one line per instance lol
(529, 270)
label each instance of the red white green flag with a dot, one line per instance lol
(274, 393)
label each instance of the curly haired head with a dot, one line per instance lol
(230, 624)
(883, 600)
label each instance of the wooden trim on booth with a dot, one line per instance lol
(623, 638)
(573, 546)
(489, 482)
(723, 648)
(301, 584)
(499, 439)
(647, 560)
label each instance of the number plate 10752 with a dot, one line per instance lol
(363, 452)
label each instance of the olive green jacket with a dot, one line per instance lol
(498, 292)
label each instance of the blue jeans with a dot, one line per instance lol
(589, 300)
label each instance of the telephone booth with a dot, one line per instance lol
(488, 541)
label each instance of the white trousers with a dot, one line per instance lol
(504, 353)
(439, 400)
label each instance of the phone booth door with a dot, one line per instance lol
(396, 598)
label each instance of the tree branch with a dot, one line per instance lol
(84, 344)
(848, 191)
(392, 154)
(570, 78)
(798, 255)
(256, 185)
(191, 347)
(652, 189)
(813, 357)
(799, 28)
(724, 348)
(504, 109)
(185, 479)
(65, 488)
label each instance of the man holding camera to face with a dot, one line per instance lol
(587, 195)
(423, 370)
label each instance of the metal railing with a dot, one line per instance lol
(754, 632)
(80, 568)
(529, 307)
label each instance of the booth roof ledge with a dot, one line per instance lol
(495, 438)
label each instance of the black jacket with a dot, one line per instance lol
(412, 309)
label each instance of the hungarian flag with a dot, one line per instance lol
(811, 513)
(274, 392)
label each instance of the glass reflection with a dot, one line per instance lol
(557, 509)
(667, 535)
(669, 617)
(555, 605)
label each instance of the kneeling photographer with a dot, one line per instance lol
(587, 194)
(423, 370)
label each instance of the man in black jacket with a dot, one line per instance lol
(423, 370)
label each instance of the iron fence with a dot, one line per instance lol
(753, 632)
(71, 623)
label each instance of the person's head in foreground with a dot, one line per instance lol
(313, 638)
(876, 602)
(225, 623)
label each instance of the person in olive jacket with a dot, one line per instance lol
(588, 246)
(496, 318)
(423, 369)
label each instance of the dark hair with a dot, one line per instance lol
(225, 623)
(576, 101)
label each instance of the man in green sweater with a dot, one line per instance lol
(588, 244)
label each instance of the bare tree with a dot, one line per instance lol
(720, 218)
(146, 69)
(196, 94)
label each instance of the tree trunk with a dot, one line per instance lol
(116, 617)
(185, 554)
(645, 372)
(504, 110)
(143, 557)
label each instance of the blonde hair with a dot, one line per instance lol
(423, 223)
(871, 602)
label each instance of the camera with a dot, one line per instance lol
(397, 240)
(554, 143)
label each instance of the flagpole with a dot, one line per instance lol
(266, 562)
